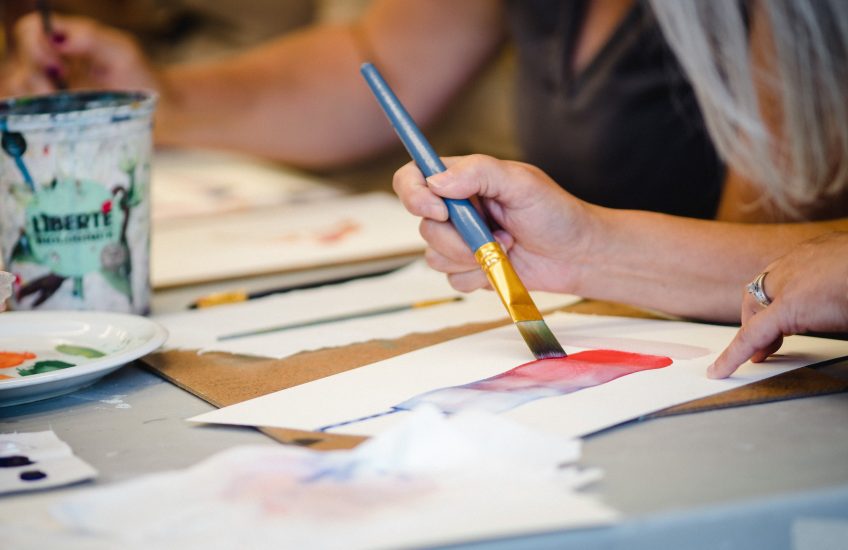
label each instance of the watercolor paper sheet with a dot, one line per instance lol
(39, 460)
(199, 329)
(282, 238)
(668, 365)
(196, 182)
(432, 480)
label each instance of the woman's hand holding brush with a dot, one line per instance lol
(545, 231)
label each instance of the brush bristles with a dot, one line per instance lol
(540, 339)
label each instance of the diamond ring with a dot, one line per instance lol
(756, 289)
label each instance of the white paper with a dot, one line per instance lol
(50, 459)
(194, 182)
(199, 329)
(282, 238)
(375, 389)
(431, 480)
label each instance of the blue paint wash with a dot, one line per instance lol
(462, 214)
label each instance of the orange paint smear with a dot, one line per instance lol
(339, 233)
(14, 358)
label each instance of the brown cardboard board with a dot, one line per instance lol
(224, 379)
(804, 382)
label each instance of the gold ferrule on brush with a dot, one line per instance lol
(506, 283)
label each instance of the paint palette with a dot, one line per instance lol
(48, 353)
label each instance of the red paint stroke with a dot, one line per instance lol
(538, 380)
(528, 382)
(579, 370)
(14, 358)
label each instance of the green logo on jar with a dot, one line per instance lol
(73, 228)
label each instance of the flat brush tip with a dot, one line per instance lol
(540, 339)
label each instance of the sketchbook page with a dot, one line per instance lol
(199, 329)
(196, 182)
(282, 238)
(650, 365)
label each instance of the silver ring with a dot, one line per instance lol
(756, 289)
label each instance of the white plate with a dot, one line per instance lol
(91, 343)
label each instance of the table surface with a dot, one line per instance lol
(763, 476)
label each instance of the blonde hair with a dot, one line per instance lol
(801, 158)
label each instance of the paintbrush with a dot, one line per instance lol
(471, 227)
(345, 317)
(47, 27)
(236, 296)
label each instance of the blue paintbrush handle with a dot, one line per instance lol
(462, 214)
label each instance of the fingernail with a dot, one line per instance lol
(711, 371)
(439, 181)
(437, 211)
(58, 37)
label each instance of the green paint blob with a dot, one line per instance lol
(80, 351)
(44, 366)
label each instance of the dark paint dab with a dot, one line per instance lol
(32, 475)
(14, 461)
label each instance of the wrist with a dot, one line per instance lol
(589, 255)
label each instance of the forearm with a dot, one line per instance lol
(301, 100)
(274, 103)
(681, 266)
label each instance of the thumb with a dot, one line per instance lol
(479, 175)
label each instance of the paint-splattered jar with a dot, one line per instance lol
(75, 200)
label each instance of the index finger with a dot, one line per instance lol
(411, 187)
(757, 334)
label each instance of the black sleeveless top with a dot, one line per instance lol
(625, 132)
